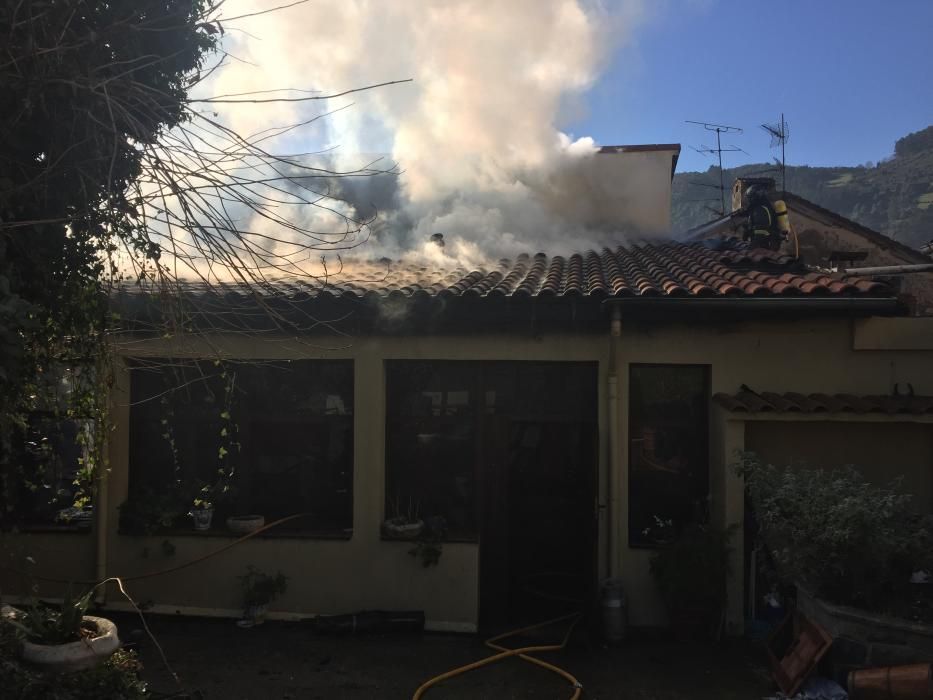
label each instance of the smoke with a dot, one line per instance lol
(476, 135)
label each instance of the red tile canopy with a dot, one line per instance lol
(769, 402)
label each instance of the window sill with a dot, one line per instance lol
(40, 529)
(447, 540)
(283, 534)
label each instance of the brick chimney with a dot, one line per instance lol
(741, 184)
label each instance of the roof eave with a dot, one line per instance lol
(879, 305)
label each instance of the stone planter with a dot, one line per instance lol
(245, 524)
(76, 656)
(862, 638)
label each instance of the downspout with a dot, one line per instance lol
(102, 507)
(615, 331)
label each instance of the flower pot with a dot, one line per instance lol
(253, 616)
(202, 518)
(244, 524)
(76, 656)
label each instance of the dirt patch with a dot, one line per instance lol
(215, 659)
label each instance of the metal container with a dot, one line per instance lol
(615, 611)
(913, 682)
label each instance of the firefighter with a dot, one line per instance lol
(765, 227)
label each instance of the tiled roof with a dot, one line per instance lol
(639, 270)
(768, 402)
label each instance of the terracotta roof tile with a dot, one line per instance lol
(658, 269)
(790, 402)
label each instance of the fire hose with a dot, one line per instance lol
(524, 653)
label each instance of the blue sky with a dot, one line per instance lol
(851, 76)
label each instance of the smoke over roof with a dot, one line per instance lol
(473, 143)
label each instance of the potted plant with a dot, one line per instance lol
(259, 589)
(148, 511)
(202, 510)
(691, 573)
(403, 525)
(64, 638)
(430, 541)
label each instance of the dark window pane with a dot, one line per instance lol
(431, 443)
(278, 434)
(668, 449)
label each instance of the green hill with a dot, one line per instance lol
(894, 197)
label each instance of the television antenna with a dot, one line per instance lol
(719, 130)
(779, 133)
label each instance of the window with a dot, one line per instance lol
(48, 487)
(449, 421)
(267, 438)
(46, 482)
(668, 450)
(431, 443)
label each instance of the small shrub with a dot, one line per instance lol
(54, 624)
(848, 541)
(693, 569)
(259, 588)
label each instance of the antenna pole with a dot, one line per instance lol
(720, 129)
(783, 159)
(722, 184)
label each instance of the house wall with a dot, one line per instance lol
(325, 576)
(332, 576)
(820, 235)
(803, 356)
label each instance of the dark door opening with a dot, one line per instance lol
(504, 453)
(538, 528)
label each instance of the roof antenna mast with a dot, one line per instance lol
(780, 133)
(720, 129)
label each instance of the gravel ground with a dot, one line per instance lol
(215, 659)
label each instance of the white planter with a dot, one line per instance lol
(253, 615)
(244, 524)
(403, 531)
(76, 656)
(202, 518)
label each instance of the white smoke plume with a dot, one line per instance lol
(476, 134)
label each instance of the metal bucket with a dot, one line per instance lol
(913, 682)
(614, 610)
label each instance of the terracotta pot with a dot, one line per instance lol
(913, 682)
(76, 656)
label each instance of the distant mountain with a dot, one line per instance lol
(894, 197)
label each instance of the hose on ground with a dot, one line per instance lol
(523, 653)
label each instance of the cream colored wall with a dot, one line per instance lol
(57, 555)
(326, 576)
(802, 356)
(340, 576)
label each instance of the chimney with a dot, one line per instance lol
(741, 185)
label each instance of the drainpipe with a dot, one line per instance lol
(615, 331)
(102, 507)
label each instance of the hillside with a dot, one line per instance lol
(894, 197)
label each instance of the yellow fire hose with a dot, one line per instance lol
(522, 653)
